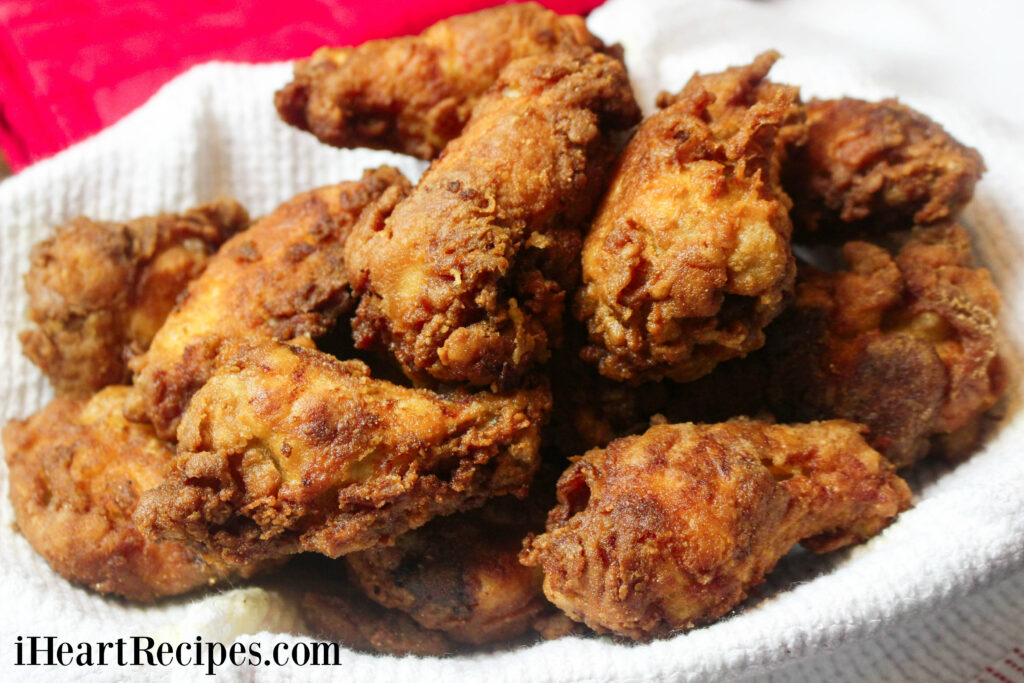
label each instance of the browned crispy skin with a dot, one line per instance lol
(460, 574)
(287, 449)
(672, 528)
(414, 94)
(874, 166)
(77, 470)
(284, 278)
(465, 279)
(99, 291)
(350, 618)
(905, 344)
(689, 256)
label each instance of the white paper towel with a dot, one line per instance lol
(882, 607)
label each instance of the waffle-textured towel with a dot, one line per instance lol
(214, 131)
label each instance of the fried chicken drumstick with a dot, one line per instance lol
(875, 166)
(414, 94)
(284, 278)
(465, 279)
(689, 255)
(904, 344)
(99, 291)
(287, 449)
(77, 471)
(662, 531)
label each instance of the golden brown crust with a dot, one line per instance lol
(284, 278)
(414, 94)
(461, 574)
(77, 470)
(688, 257)
(465, 279)
(905, 344)
(287, 449)
(874, 166)
(348, 617)
(99, 291)
(671, 528)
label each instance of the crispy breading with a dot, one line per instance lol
(414, 94)
(689, 255)
(460, 574)
(284, 278)
(875, 166)
(287, 449)
(99, 291)
(347, 616)
(465, 279)
(77, 471)
(662, 531)
(905, 344)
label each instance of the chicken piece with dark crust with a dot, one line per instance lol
(465, 279)
(77, 471)
(904, 344)
(348, 617)
(460, 574)
(284, 278)
(287, 449)
(672, 528)
(99, 291)
(689, 255)
(869, 167)
(414, 94)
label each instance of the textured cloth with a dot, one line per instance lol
(121, 51)
(937, 596)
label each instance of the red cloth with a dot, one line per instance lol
(69, 68)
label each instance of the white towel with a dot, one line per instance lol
(903, 605)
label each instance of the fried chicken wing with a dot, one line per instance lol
(284, 278)
(662, 531)
(77, 471)
(461, 574)
(287, 449)
(465, 279)
(905, 344)
(414, 94)
(689, 255)
(873, 166)
(99, 291)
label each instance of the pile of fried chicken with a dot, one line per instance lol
(574, 378)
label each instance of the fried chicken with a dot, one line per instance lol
(414, 94)
(905, 344)
(77, 471)
(348, 617)
(284, 278)
(460, 574)
(99, 291)
(875, 166)
(465, 279)
(689, 255)
(672, 528)
(287, 449)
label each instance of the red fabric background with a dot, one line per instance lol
(69, 68)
